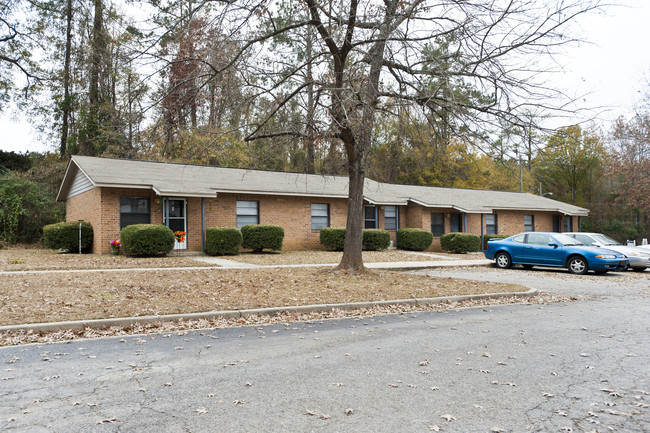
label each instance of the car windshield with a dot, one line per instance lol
(606, 240)
(566, 240)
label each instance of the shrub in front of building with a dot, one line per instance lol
(414, 239)
(65, 236)
(486, 238)
(460, 242)
(222, 241)
(260, 237)
(147, 240)
(375, 239)
(446, 241)
(332, 238)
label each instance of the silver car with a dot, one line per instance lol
(639, 258)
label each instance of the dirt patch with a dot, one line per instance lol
(49, 297)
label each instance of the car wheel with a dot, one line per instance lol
(578, 265)
(527, 267)
(503, 260)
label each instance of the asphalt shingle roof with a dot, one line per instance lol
(168, 179)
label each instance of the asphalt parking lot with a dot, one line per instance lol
(579, 366)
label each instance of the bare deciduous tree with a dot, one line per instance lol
(368, 53)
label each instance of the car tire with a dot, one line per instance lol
(528, 267)
(578, 265)
(503, 260)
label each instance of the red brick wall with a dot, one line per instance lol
(293, 214)
(101, 207)
(87, 206)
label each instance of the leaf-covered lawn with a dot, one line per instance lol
(35, 259)
(48, 297)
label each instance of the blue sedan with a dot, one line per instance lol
(553, 249)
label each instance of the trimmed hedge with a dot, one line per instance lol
(486, 238)
(372, 239)
(332, 238)
(460, 242)
(65, 236)
(446, 241)
(414, 239)
(221, 241)
(375, 239)
(147, 239)
(258, 237)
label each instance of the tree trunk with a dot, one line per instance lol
(352, 248)
(309, 141)
(67, 103)
(92, 123)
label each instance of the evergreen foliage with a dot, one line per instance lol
(25, 207)
(259, 237)
(147, 239)
(460, 242)
(332, 238)
(375, 240)
(65, 236)
(221, 241)
(414, 239)
(486, 238)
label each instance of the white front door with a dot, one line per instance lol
(175, 217)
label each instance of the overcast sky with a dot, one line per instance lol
(610, 72)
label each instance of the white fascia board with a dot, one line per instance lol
(290, 194)
(531, 209)
(66, 181)
(449, 206)
(182, 194)
(476, 211)
(123, 185)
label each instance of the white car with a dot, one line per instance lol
(639, 257)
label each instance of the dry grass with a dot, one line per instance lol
(48, 297)
(182, 327)
(36, 259)
(316, 256)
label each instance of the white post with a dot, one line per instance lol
(80, 236)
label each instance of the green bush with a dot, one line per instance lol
(375, 240)
(221, 241)
(460, 242)
(332, 238)
(25, 207)
(446, 241)
(259, 237)
(486, 238)
(414, 239)
(147, 239)
(65, 236)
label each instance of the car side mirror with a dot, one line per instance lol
(552, 244)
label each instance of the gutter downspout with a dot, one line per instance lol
(203, 224)
(482, 235)
(465, 223)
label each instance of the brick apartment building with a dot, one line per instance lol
(113, 193)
